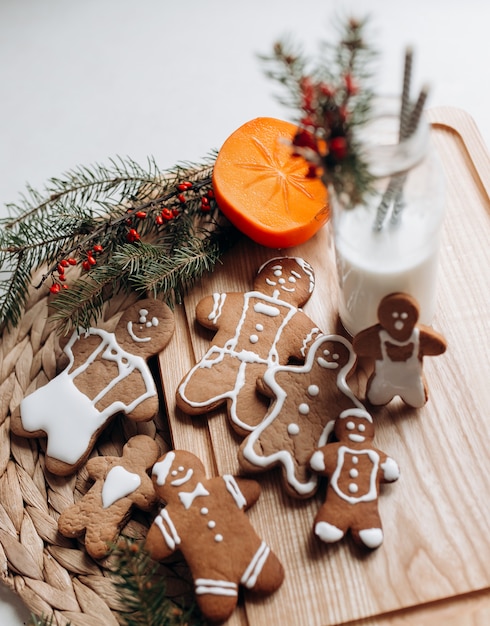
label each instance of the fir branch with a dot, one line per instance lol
(144, 593)
(113, 222)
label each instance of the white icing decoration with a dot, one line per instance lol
(356, 438)
(371, 537)
(135, 337)
(68, 417)
(118, 484)
(371, 494)
(255, 566)
(174, 473)
(218, 302)
(353, 488)
(218, 538)
(259, 327)
(293, 429)
(211, 524)
(168, 530)
(353, 473)
(303, 408)
(317, 461)
(187, 497)
(234, 490)
(253, 338)
(204, 510)
(180, 481)
(283, 457)
(390, 469)
(266, 309)
(215, 587)
(398, 378)
(328, 532)
(161, 469)
(262, 304)
(313, 390)
(181, 468)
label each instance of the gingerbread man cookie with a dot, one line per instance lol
(355, 470)
(120, 484)
(397, 344)
(205, 519)
(255, 330)
(107, 373)
(306, 400)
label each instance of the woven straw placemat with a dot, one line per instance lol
(53, 575)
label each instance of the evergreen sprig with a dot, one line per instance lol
(145, 593)
(331, 98)
(107, 228)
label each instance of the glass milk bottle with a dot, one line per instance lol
(391, 241)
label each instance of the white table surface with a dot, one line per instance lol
(81, 82)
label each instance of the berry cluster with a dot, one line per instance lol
(191, 198)
(58, 275)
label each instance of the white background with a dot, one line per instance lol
(83, 81)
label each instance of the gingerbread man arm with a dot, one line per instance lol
(297, 336)
(389, 468)
(244, 490)
(431, 342)
(162, 539)
(97, 466)
(324, 460)
(367, 342)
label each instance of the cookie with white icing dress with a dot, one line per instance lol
(107, 373)
(306, 400)
(121, 483)
(355, 469)
(254, 331)
(205, 519)
(397, 346)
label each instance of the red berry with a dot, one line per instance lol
(91, 259)
(60, 268)
(167, 214)
(140, 215)
(210, 193)
(86, 265)
(338, 147)
(133, 235)
(62, 277)
(98, 248)
(55, 288)
(64, 263)
(181, 198)
(72, 261)
(65, 286)
(159, 220)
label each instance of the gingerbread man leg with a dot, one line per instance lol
(265, 572)
(332, 520)
(366, 528)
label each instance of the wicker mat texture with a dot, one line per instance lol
(53, 575)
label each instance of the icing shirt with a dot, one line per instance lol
(69, 418)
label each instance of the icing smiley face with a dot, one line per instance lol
(354, 426)
(287, 278)
(138, 331)
(398, 316)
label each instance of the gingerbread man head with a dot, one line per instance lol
(398, 314)
(145, 328)
(286, 278)
(176, 471)
(354, 426)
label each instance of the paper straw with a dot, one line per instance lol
(405, 104)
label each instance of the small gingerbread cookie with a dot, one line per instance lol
(397, 344)
(255, 330)
(306, 400)
(355, 470)
(120, 484)
(107, 374)
(205, 519)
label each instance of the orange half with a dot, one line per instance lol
(264, 190)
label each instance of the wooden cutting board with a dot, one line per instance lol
(434, 564)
